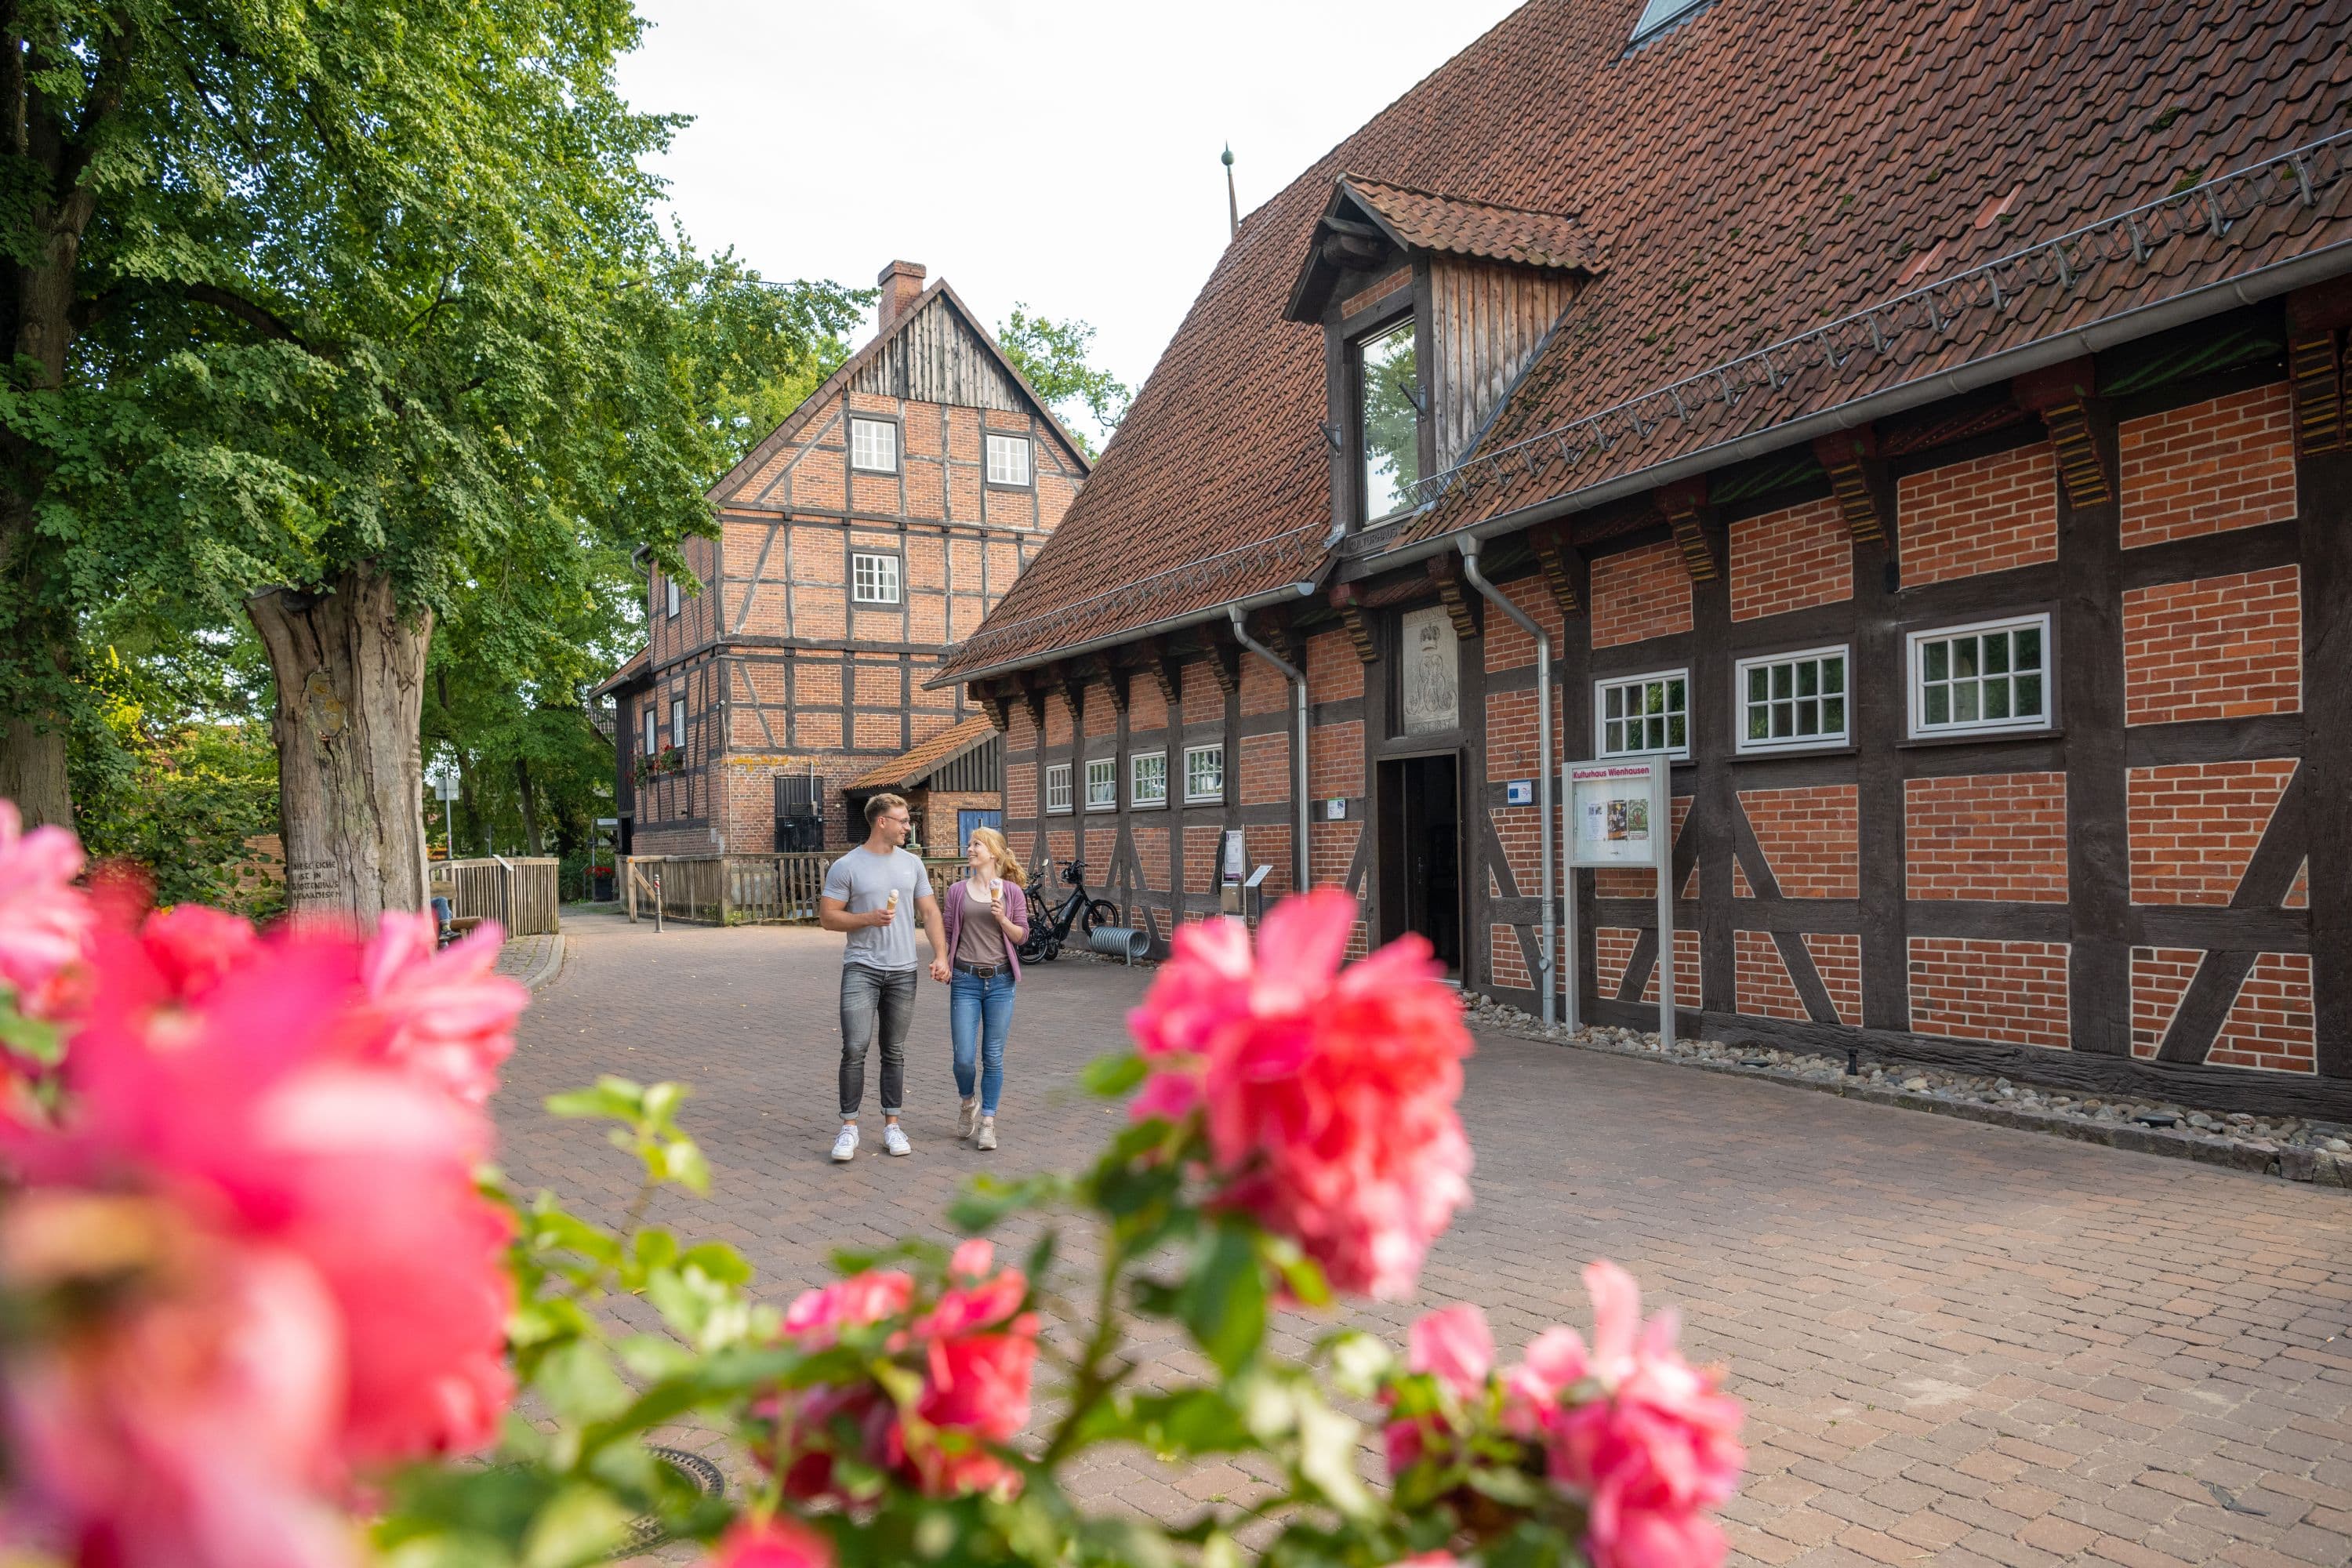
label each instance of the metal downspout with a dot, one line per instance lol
(1546, 980)
(1297, 679)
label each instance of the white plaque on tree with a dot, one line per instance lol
(1431, 672)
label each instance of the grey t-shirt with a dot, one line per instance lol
(862, 881)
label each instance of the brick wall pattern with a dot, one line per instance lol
(2227, 462)
(2011, 991)
(2218, 648)
(1793, 559)
(1990, 837)
(1988, 514)
(2195, 825)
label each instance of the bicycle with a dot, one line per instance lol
(1049, 929)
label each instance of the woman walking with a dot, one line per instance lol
(987, 922)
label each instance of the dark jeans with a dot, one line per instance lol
(980, 1018)
(867, 995)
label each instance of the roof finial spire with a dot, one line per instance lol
(1233, 202)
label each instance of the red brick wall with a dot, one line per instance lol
(2159, 978)
(1766, 990)
(1151, 857)
(1270, 846)
(2218, 648)
(1790, 560)
(2194, 826)
(1147, 705)
(2299, 895)
(1264, 689)
(1508, 648)
(1639, 594)
(1985, 835)
(1837, 958)
(2271, 1024)
(1988, 514)
(1613, 949)
(1204, 699)
(1811, 837)
(1201, 860)
(1058, 728)
(1509, 968)
(1334, 673)
(1330, 850)
(1264, 769)
(1686, 973)
(2227, 462)
(1102, 718)
(1335, 761)
(2013, 992)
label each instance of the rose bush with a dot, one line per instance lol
(263, 1303)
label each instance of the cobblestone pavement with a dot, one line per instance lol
(535, 961)
(1957, 1344)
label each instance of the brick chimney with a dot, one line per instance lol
(902, 284)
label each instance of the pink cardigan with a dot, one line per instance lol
(1016, 905)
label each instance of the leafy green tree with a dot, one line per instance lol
(333, 315)
(178, 772)
(1054, 356)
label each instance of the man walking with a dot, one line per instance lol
(874, 892)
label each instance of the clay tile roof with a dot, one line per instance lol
(633, 668)
(1423, 221)
(1759, 170)
(927, 757)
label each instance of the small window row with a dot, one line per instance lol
(1146, 780)
(1990, 678)
(651, 737)
(874, 449)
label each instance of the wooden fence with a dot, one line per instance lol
(519, 894)
(739, 889)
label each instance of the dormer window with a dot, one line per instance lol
(1388, 418)
(1386, 266)
(1660, 14)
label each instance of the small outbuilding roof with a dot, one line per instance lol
(909, 770)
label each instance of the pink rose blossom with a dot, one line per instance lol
(1328, 1094)
(779, 1542)
(254, 1092)
(1653, 1449)
(44, 918)
(185, 1430)
(1455, 1345)
(453, 1018)
(976, 1352)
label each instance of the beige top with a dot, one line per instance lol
(980, 941)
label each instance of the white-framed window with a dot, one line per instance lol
(873, 446)
(670, 585)
(1008, 460)
(1637, 715)
(1787, 701)
(678, 722)
(874, 579)
(1102, 783)
(1058, 787)
(1147, 779)
(652, 745)
(1204, 772)
(1985, 678)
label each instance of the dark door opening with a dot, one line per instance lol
(1421, 853)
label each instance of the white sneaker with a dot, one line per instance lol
(987, 1139)
(845, 1147)
(893, 1139)
(968, 1118)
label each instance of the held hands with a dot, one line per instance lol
(940, 972)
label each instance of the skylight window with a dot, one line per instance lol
(1659, 15)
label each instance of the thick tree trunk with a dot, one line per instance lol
(529, 806)
(351, 780)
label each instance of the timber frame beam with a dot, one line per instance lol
(1350, 602)
(1561, 562)
(1461, 604)
(2315, 320)
(1692, 521)
(1857, 480)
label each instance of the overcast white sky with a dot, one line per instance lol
(1045, 151)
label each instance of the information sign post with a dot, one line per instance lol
(1622, 814)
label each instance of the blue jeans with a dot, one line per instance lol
(980, 1016)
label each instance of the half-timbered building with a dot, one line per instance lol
(866, 536)
(1923, 424)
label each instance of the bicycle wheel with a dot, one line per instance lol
(1100, 913)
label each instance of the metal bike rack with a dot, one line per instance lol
(1120, 942)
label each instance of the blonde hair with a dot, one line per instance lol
(1001, 853)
